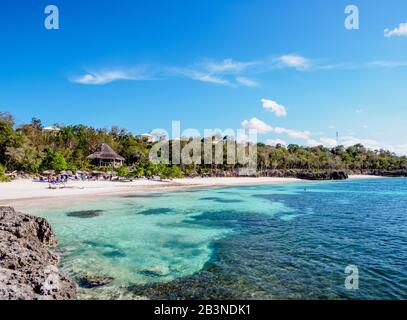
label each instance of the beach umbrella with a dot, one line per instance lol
(48, 172)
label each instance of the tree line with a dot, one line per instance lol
(31, 149)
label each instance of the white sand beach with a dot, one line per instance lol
(365, 176)
(27, 190)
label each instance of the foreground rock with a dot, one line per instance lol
(28, 266)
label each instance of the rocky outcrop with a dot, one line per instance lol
(28, 266)
(386, 173)
(285, 173)
(325, 175)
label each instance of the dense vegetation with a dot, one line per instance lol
(31, 149)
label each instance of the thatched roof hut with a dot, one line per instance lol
(106, 156)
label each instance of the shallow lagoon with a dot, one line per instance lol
(275, 241)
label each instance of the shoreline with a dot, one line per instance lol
(25, 191)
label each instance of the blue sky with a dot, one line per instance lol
(212, 64)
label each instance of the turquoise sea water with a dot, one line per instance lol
(265, 242)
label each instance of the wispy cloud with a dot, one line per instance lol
(400, 31)
(387, 64)
(209, 78)
(278, 109)
(101, 78)
(294, 61)
(197, 75)
(244, 81)
(227, 66)
(106, 76)
(227, 72)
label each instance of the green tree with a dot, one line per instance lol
(3, 177)
(54, 160)
(123, 171)
(138, 171)
(7, 135)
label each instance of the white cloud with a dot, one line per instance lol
(313, 143)
(400, 31)
(258, 125)
(247, 82)
(359, 110)
(329, 142)
(348, 141)
(103, 77)
(326, 142)
(294, 61)
(242, 138)
(273, 106)
(274, 142)
(295, 134)
(332, 127)
(400, 149)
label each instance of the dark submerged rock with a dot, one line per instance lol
(85, 213)
(155, 211)
(207, 284)
(99, 245)
(28, 266)
(89, 281)
(114, 254)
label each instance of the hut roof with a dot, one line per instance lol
(105, 152)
